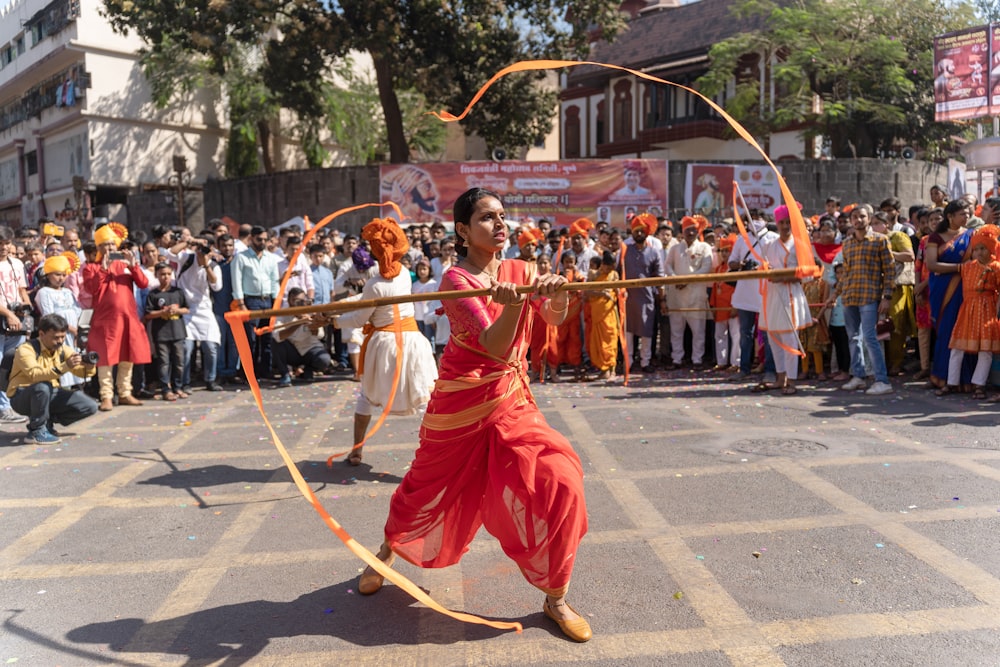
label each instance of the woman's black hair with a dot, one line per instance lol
(951, 208)
(464, 207)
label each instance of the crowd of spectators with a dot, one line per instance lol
(889, 301)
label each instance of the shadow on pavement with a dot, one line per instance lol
(236, 633)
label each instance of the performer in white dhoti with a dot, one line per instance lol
(786, 309)
(379, 352)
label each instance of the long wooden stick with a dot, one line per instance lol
(345, 306)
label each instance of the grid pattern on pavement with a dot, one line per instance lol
(726, 529)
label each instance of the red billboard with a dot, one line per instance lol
(560, 191)
(961, 65)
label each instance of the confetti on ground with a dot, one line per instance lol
(678, 595)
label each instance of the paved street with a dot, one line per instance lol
(726, 528)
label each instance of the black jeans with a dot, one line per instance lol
(170, 364)
(316, 359)
(43, 404)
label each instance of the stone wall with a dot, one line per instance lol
(855, 181)
(271, 199)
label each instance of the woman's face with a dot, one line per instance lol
(544, 265)
(827, 234)
(423, 272)
(958, 218)
(487, 229)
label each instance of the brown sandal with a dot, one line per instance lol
(946, 390)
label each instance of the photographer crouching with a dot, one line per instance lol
(33, 386)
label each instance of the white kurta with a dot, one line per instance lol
(419, 370)
(685, 261)
(747, 295)
(786, 307)
(200, 322)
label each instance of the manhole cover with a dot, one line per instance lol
(779, 447)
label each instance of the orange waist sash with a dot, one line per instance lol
(405, 324)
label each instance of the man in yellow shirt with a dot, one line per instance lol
(33, 386)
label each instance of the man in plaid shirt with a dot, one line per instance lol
(866, 293)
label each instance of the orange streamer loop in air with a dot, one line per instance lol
(236, 320)
(310, 233)
(803, 247)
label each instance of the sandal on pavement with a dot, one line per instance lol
(577, 629)
(371, 581)
(947, 389)
(355, 457)
(979, 394)
(762, 387)
(788, 390)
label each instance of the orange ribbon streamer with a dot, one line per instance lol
(304, 246)
(236, 320)
(807, 267)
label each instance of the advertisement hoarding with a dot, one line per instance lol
(961, 64)
(560, 191)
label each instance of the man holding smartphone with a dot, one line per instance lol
(116, 335)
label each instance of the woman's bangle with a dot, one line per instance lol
(558, 310)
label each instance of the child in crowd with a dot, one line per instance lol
(727, 321)
(838, 326)
(570, 342)
(53, 297)
(815, 339)
(544, 353)
(424, 283)
(165, 308)
(977, 330)
(603, 332)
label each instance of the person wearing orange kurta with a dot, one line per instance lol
(543, 337)
(604, 329)
(570, 342)
(487, 457)
(116, 334)
(727, 322)
(977, 330)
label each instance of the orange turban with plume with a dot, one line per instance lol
(388, 244)
(848, 208)
(645, 220)
(73, 259)
(727, 242)
(986, 236)
(580, 227)
(113, 232)
(56, 264)
(687, 221)
(533, 235)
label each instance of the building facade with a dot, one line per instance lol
(78, 130)
(606, 113)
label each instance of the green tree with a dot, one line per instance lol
(858, 72)
(441, 50)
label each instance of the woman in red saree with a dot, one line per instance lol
(487, 457)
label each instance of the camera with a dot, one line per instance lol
(748, 264)
(113, 256)
(23, 312)
(82, 334)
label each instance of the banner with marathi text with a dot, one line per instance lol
(961, 64)
(559, 191)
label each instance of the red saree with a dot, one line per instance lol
(488, 458)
